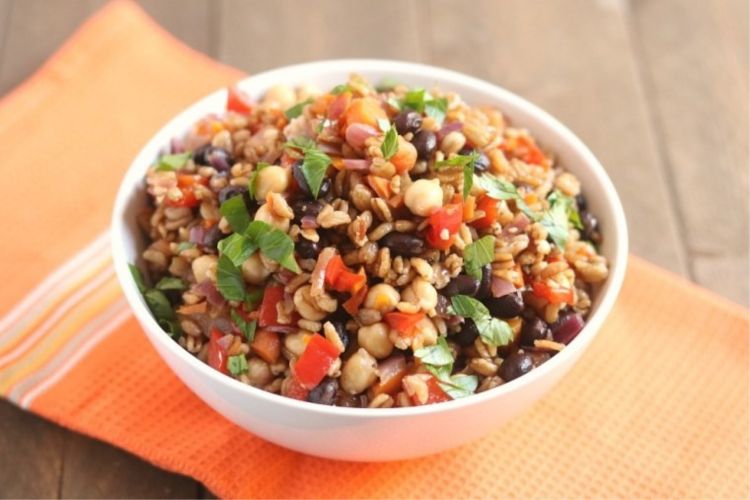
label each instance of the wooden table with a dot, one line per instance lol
(657, 89)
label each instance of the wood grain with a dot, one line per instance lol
(574, 59)
(696, 71)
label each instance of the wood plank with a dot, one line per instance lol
(574, 59)
(257, 35)
(696, 69)
(192, 21)
(31, 454)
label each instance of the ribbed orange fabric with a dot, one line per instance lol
(657, 407)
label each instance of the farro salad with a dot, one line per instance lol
(366, 246)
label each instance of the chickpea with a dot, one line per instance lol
(273, 179)
(258, 372)
(452, 143)
(280, 96)
(382, 297)
(296, 343)
(304, 304)
(204, 267)
(254, 271)
(265, 214)
(374, 339)
(421, 293)
(424, 196)
(426, 333)
(359, 372)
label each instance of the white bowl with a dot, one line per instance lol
(369, 434)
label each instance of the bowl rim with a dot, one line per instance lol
(503, 97)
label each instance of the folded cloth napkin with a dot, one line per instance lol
(657, 407)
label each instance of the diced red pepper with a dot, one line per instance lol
(338, 105)
(553, 295)
(489, 206)
(444, 221)
(293, 389)
(186, 183)
(353, 303)
(525, 149)
(341, 278)
(434, 393)
(217, 355)
(238, 101)
(271, 296)
(266, 345)
(404, 323)
(315, 361)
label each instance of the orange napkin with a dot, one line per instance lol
(657, 407)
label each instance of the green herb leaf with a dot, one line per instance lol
(229, 279)
(237, 365)
(235, 211)
(437, 109)
(246, 327)
(435, 355)
(297, 109)
(253, 181)
(171, 326)
(340, 89)
(138, 278)
(300, 142)
(159, 304)
(384, 124)
(492, 330)
(237, 247)
(459, 385)
(414, 99)
(555, 220)
(170, 283)
(390, 143)
(393, 102)
(466, 162)
(314, 167)
(421, 101)
(386, 84)
(477, 254)
(278, 246)
(172, 162)
(253, 298)
(185, 245)
(504, 190)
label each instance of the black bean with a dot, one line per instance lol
(306, 208)
(403, 244)
(590, 230)
(408, 121)
(507, 306)
(482, 163)
(425, 143)
(581, 202)
(325, 392)
(516, 365)
(307, 249)
(212, 156)
(469, 332)
(212, 237)
(485, 284)
(442, 304)
(534, 329)
(341, 331)
(349, 401)
(231, 192)
(463, 284)
(301, 180)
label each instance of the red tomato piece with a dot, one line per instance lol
(238, 101)
(341, 278)
(271, 296)
(403, 323)
(353, 303)
(315, 361)
(489, 206)
(444, 220)
(217, 355)
(553, 295)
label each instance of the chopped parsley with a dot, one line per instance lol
(171, 162)
(246, 327)
(157, 301)
(493, 331)
(423, 102)
(229, 279)
(466, 162)
(562, 211)
(170, 283)
(504, 190)
(390, 143)
(235, 211)
(314, 162)
(477, 254)
(340, 89)
(253, 181)
(438, 359)
(297, 109)
(237, 365)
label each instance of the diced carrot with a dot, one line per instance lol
(266, 345)
(380, 186)
(365, 110)
(391, 371)
(470, 204)
(198, 308)
(353, 303)
(405, 157)
(319, 106)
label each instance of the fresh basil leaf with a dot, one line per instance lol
(170, 283)
(237, 247)
(229, 279)
(314, 167)
(253, 181)
(437, 109)
(297, 109)
(555, 220)
(574, 217)
(278, 246)
(440, 372)
(246, 327)
(185, 245)
(171, 326)
(255, 229)
(477, 254)
(504, 190)
(494, 331)
(253, 298)
(237, 365)
(172, 162)
(414, 99)
(340, 89)
(466, 162)
(384, 124)
(138, 278)
(460, 385)
(235, 211)
(435, 355)
(390, 143)
(463, 305)
(159, 304)
(386, 84)
(300, 142)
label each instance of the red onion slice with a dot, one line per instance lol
(567, 327)
(197, 233)
(281, 328)
(501, 288)
(225, 342)
(309, 222)
(176, 146)
(318, 276)
(358, 133)
(357, 164)
(517, 226)
(212, 294)
(448, 128)
(329, 149)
